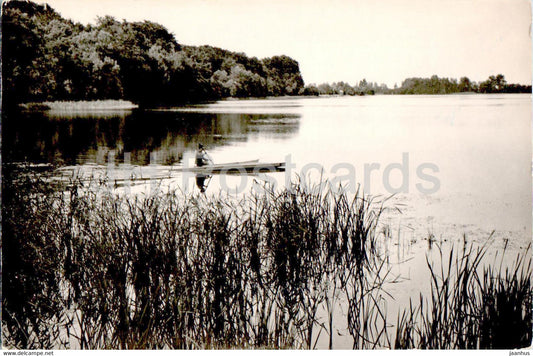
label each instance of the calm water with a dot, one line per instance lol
(458, 164)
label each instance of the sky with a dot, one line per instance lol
(382, 41)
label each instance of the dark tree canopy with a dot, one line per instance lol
(47, 57)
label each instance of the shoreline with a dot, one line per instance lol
(113, 104)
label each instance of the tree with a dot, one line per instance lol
(465, 85)
(362, 86)
(283, 76)
(494, 84)
(46, 57)
(25, 69)
(326, 89)
(499, 82)
(311, 89)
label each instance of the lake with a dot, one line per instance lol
(456, 166)
(456, 163)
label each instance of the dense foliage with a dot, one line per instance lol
(47, 57)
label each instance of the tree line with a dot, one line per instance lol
(48, 57)
(342, 88)
(436, 85)
(433, 85)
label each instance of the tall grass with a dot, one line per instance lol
(65, 106)
(472, 305)
(87, 267)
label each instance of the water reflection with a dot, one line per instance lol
(80, 139)
(202, 181)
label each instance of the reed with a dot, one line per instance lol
(90, 268)
(83, 105)
(473, 305)
(85, 266)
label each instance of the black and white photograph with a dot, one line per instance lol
(266, 175)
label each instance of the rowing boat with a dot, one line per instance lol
(237, 168)
(252, 166)
(243, 167)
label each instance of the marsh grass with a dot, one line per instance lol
(85, 267)
(473, 304)
(81, 105)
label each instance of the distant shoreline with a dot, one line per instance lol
(111, 104)
(289, 97)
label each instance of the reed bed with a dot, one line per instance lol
(473, 304)
(85, 267)
(82, 105)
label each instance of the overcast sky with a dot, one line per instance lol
(383, 41)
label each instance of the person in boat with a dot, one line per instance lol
(202, 158)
